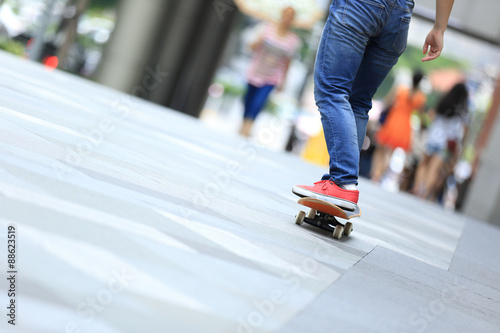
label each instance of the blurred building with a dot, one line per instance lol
(473, 17)
(483, 198)
(167, 51)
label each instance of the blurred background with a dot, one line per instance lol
(192, 56)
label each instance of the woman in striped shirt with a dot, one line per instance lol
(273, 52)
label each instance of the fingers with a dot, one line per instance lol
(432, 55)
(426, 58)
(426, 48)
(432, 49)
(433, 45)
(426, 51)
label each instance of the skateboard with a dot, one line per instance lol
(323, 215)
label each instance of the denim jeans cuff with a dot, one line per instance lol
(326, 176)
(329, 177)
(350, 182)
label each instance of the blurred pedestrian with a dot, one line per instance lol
(413, 159)
(396, 131)
(445, 136)
(361, 42)
(273, 52)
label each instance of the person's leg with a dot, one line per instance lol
(432, 178)
(246, 127)
(345, 37)
(360, 44)
(381, 162)
(419, 187)
(420, 173)
(340, 53)
(348, 48)
(249, 97)
(255, 100)
(247, 124)
(376, 160)
(408, 175)
(382, 53)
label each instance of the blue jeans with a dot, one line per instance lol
(255, 100)
(361, 42)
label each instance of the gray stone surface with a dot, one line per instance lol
(484, 195)
(134, 218)
(389, 292)
(478, 254)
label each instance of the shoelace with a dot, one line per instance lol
(325, 183)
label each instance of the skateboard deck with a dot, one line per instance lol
(323, 215)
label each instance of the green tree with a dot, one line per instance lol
(103, 4)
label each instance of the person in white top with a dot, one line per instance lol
(444, 139)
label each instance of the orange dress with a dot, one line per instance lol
(396, 130)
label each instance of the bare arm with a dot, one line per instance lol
(259, 32)
(434, 39)
(256, 44)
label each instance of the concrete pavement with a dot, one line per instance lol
(129, 217)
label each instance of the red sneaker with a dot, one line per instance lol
(327, 190)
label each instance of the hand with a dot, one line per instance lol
(254, 46)
(434, 40)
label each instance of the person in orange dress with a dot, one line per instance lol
(396, 131)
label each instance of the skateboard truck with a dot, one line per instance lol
(323, 215)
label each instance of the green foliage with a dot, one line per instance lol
(103, 4)
(230, 88)
(411, 59)
(11, 46)
(304, 50)
(272, 107)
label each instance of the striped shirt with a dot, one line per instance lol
(269, 62)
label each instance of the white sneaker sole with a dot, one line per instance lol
(336, 201)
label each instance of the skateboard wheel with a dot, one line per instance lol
(311, 214)
(299, 219)
(339, 230)
(348, 228)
